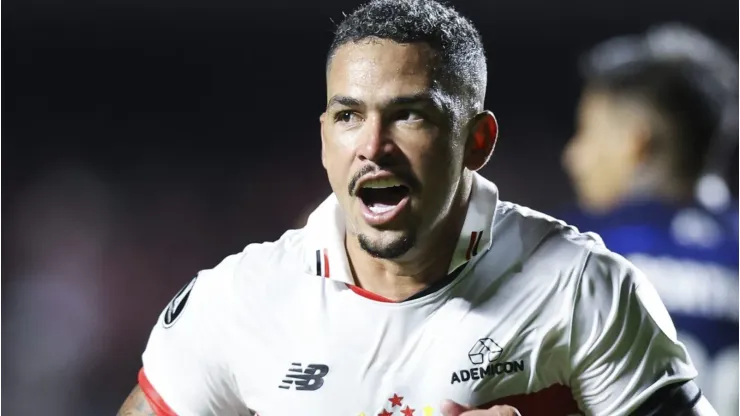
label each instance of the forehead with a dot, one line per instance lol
(380, 68)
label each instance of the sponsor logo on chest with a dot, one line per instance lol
(484, 355)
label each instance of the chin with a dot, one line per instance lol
(390, 246)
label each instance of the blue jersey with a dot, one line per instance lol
(691, 257)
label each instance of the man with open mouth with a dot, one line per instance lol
(413, 289)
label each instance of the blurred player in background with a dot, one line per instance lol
(656, 126)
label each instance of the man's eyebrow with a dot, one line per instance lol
(428, 98)
(343, 101)
(420, 98)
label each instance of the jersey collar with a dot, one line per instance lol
(326, 255)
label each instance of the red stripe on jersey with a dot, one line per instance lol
(368, 294)
(156, 402)
(477, 242)
(470, 246)
(556, 400)
(326, 264)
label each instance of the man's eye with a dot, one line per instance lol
(409, 116)
(345, 116)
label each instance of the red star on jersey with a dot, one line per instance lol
(408, 411)
(396, 400)
(385, 413)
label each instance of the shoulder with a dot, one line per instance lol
(535, 226)
(286, 254)
(241, 282)
(542, 239)
(243, 277)
(552, 248)
(609, 281)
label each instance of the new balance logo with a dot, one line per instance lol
(312, 378)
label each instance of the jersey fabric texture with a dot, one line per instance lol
(690, 255)
(540, 317)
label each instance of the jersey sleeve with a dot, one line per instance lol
(185, 369)
(623, 344)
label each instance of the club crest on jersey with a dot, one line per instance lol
(483, 354)
(177, 305)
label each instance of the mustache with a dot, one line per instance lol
(404, 176)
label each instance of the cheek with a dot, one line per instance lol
(591, 153)
(344, 140)
(338, 150)
(439, 169)
(438, 155)
(339, 169)
(614, 156)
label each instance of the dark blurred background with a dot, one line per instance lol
(140, 138)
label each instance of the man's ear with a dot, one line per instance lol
(322, 118)
(481, 140)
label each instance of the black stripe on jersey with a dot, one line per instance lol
(318, 263)
(477, 242)
(439, 285)
(676, 399)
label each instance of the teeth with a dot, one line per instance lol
(382, 183)
(380, 209)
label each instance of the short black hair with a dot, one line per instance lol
(688, 79)
(462, 66)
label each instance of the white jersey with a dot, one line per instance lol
(540, 317)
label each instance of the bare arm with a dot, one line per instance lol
(136, 404)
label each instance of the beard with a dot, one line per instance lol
(381, 249)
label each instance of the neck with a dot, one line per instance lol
(426, 263)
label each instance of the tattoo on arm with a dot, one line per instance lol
(136, 405)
